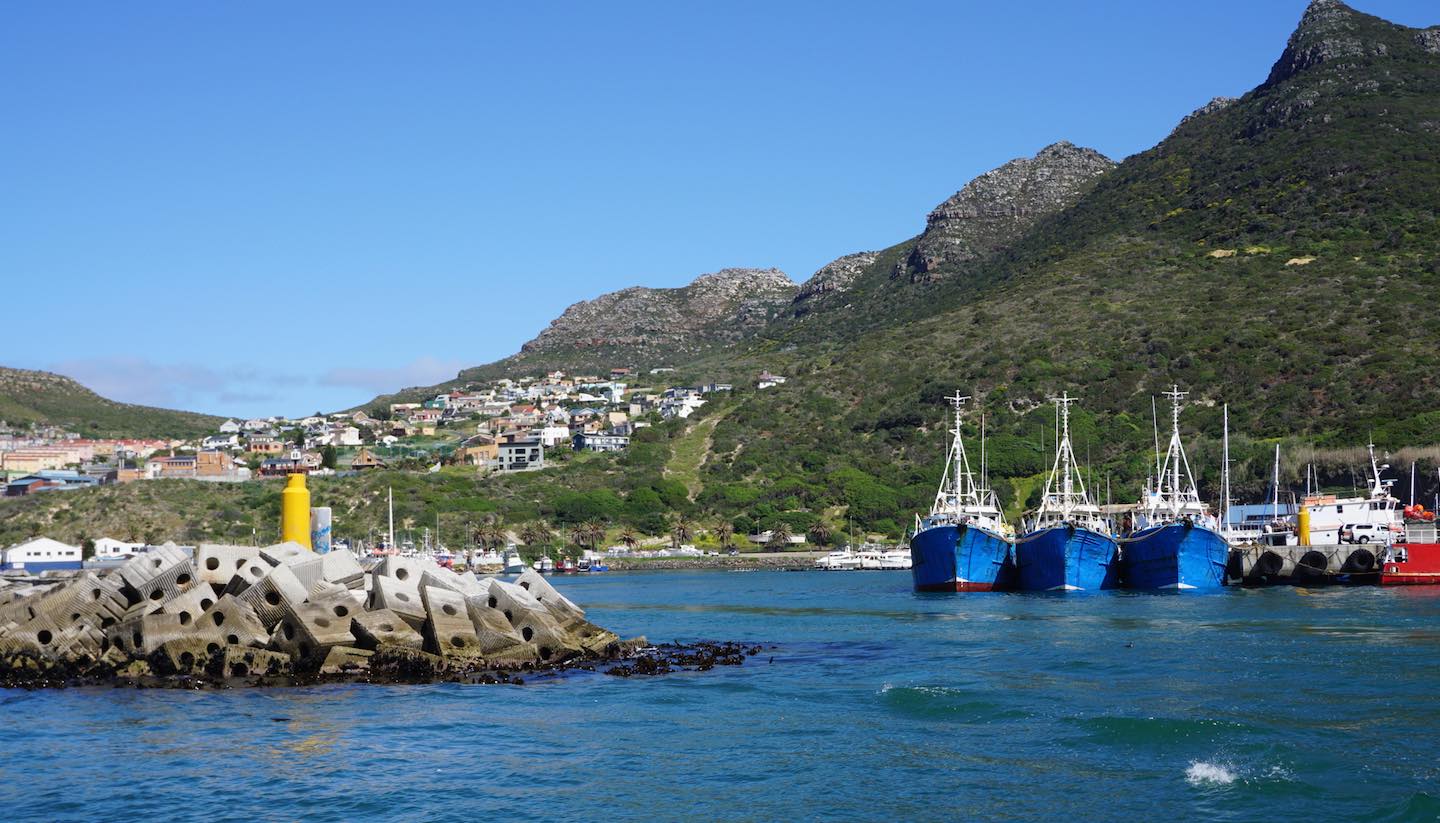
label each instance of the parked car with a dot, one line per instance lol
(1364, 533)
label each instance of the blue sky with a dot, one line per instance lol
(265, 207)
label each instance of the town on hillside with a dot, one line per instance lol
(505, 425)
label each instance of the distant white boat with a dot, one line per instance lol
(840, 560)
(513, 563)
(895, 559)
(544, 565)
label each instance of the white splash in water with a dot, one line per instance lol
(1201, 772)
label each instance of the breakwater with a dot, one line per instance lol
(239, 615)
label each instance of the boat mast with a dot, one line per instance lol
(390, 490)
(1275, 497)
(1155, 428)
(1225, 467)
(962, 484)
(1065, 487)
(1175, 459)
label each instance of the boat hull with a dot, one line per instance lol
(1065, 558)
(1175, 556)
(952, 558)
(1420, 566)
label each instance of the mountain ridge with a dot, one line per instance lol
(41, 397)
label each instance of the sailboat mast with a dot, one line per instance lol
(391, 492)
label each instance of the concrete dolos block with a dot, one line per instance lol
(450, 632)
(286, 554)
(272, 593)
(216, 564)
(382, 627)
(399, 597)
(235, 623)
(311, 630)
(341, 566)
(533, 621)
(558, 605)
(346, 660)
(169, 584)
(498, 639)
(405, 569)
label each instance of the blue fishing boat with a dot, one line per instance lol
(1175, 543)
(964, 543)
(1067, 545)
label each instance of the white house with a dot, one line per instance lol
(40, 554)
(766, 380)
(221, 442)
(552, 436)
(680, 406)
(110, 547)
(230, 427)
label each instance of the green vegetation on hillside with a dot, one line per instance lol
(42, 398)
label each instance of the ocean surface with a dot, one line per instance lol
(874, 704)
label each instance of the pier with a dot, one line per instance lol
(1261, 565)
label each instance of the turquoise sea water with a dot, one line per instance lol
(876, 704)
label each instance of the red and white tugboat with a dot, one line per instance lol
(1414, 559)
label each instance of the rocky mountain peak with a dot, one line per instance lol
(834, 277)
(1215, 104)
(998, 206)
(642, 324)
(1329, 31)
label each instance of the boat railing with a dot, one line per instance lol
(1421, 533)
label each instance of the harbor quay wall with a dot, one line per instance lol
(1261, 565)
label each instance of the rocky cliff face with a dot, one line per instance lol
(1328, 31)
(1339, 54)
(832, 278)
(997, 207)
(723, 307)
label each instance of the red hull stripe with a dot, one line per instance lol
(956, 586)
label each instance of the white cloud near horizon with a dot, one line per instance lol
(186, 386)
(422, 371)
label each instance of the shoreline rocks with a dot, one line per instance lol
(283, 615)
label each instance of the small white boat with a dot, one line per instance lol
(840, 560)
(513, 563)
(895, 559)
(544, 565)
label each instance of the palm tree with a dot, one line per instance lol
(820, 533)
(629, 537)
(594, 533)
(780, 535)
(579, 536)
(534, 534)
(489, 533)
(680, 531)
(726, 533)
